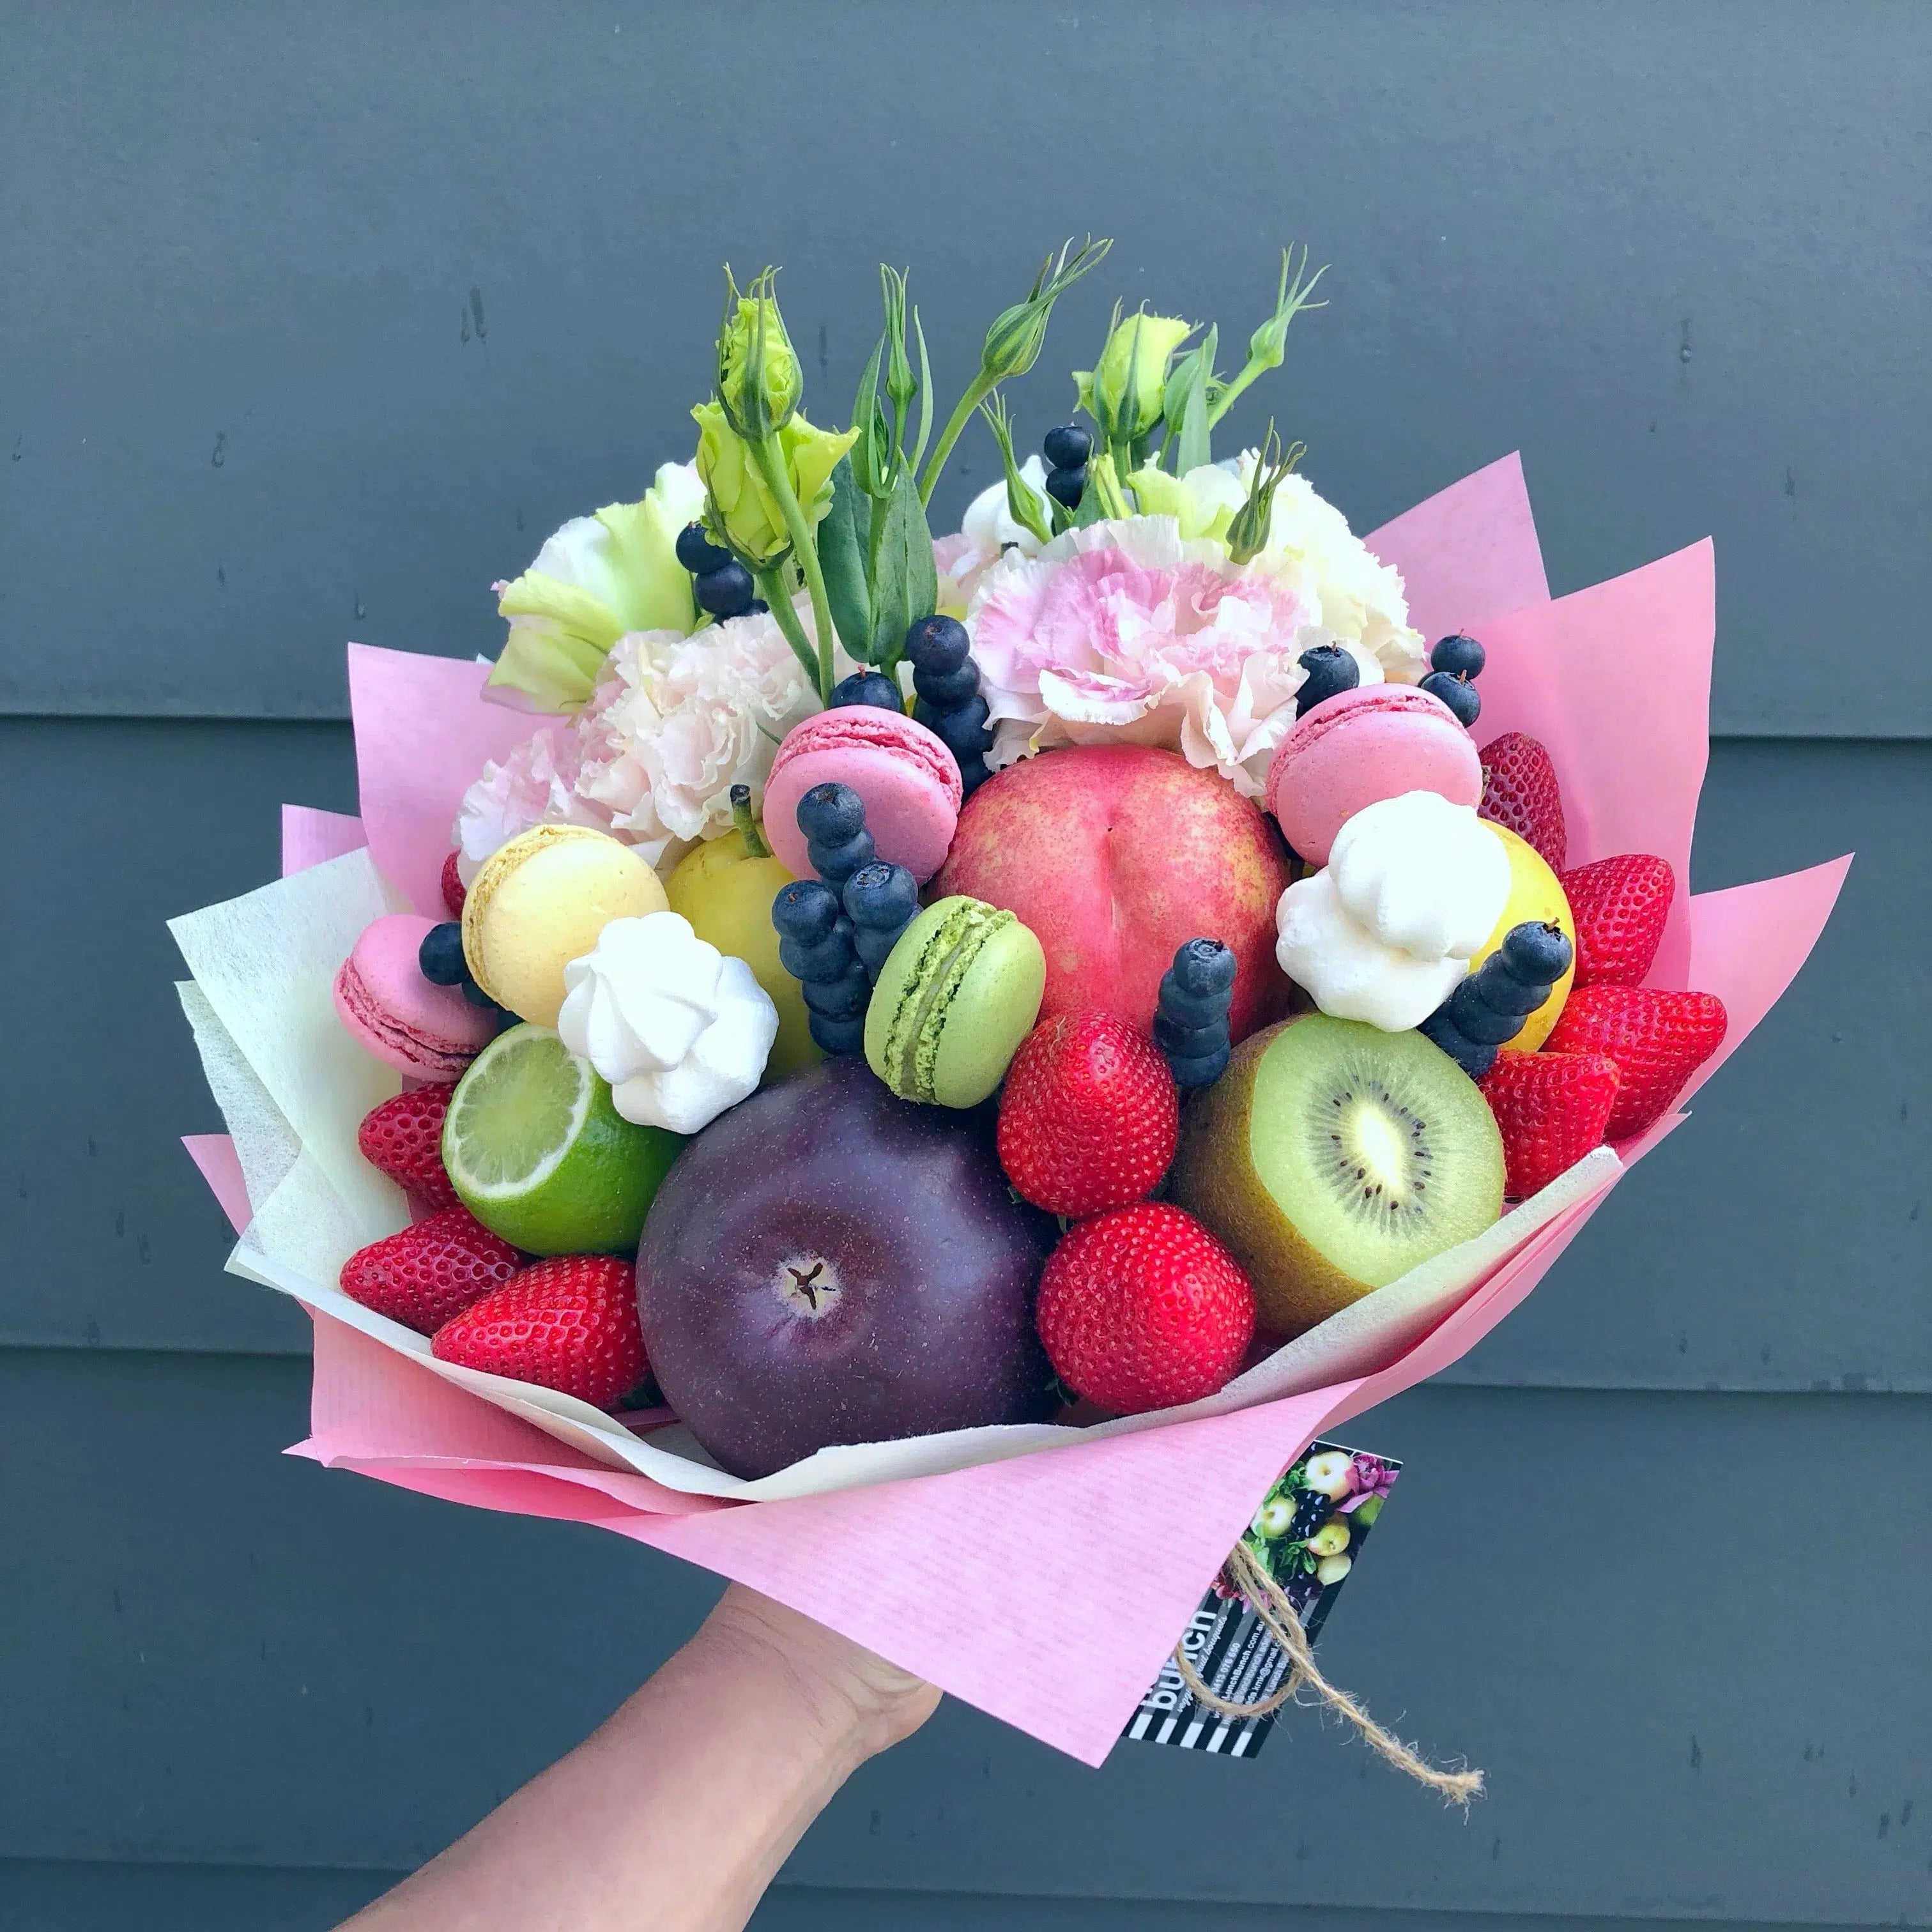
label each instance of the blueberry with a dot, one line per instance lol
(835, 864)
(698, 554)
(725, 591)
(937, 644)
(1473, 1059)
(1331, 671)
(972, 774)
(948, 690)
(868, 687)
(1475, 1019)
(874, 948)
(841, 999)
(1190, 1009)
(1066, 487)
(1204, 966)
(1178, 1041)
(1502, 991)
(837, 1036)
(476, 995)
(1066, 449)
(440, 955)
(824, 959)
(756, 608)
(830, 815)
(1536, 952)
(1201, 1070)
(1460, 656)
(881, 897)
(965, 731)
(1458, 693)
(806, 910)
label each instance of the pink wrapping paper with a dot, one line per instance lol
(422, 732)
(1046, 1589)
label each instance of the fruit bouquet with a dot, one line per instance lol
(922, 1074)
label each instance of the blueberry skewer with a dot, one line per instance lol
(1455, 664)
(1487, 1010)
(722, 585)
(1067, 450)
(946, 681)
(1190, 1023)
(815, 947)
(441, 961)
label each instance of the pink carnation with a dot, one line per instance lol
(1123, 631)
(535, 784)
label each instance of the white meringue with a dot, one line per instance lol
(1413, 886)
(1421, 874)
(680, 1030)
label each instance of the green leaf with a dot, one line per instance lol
(1186, 406)
(918, 452)
(905, 585)
(841, 557)
(872, 458)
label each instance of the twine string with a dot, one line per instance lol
(1243, 1574)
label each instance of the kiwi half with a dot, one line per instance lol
(1332, 1158)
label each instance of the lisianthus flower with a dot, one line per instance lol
(676, 721)
(595, 579)
(1356, 600)
(1125, 631)
(536, 785)
(753, 522)
(985, 534)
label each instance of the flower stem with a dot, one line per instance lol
(773, 589)
(755, 847)
(771, 461)
(977, 391)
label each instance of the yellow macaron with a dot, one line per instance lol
(539, 902)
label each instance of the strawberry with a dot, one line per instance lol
(1658, 1039)
(1552, 1108)
(1141, 1308)
(1089, 1117)
(1519, 790)
(429, 1274)
(1619, 906)
(403, 1138)
(453, 891)
(569, 1325)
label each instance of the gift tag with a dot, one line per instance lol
(1307, 1535)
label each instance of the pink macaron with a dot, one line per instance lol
(428, 1032)
(909, 780)
(1375, 742)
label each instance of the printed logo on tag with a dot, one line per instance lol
(1307, 1535)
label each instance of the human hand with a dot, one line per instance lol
(861, 1704)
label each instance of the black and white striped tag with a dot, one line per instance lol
(1307, 1533)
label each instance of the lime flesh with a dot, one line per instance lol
(1378, 1147)
(537, 1153)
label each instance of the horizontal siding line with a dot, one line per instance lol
(1854, 1387)
(1236, 1913)
(1911, 734)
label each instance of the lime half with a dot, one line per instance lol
(537, 1152)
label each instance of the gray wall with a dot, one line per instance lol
(318, 318)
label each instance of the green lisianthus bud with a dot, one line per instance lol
(1125, 392)
(1014, 341)
(759, 380)
(742, 511)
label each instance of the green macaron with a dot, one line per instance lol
(955, 998)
